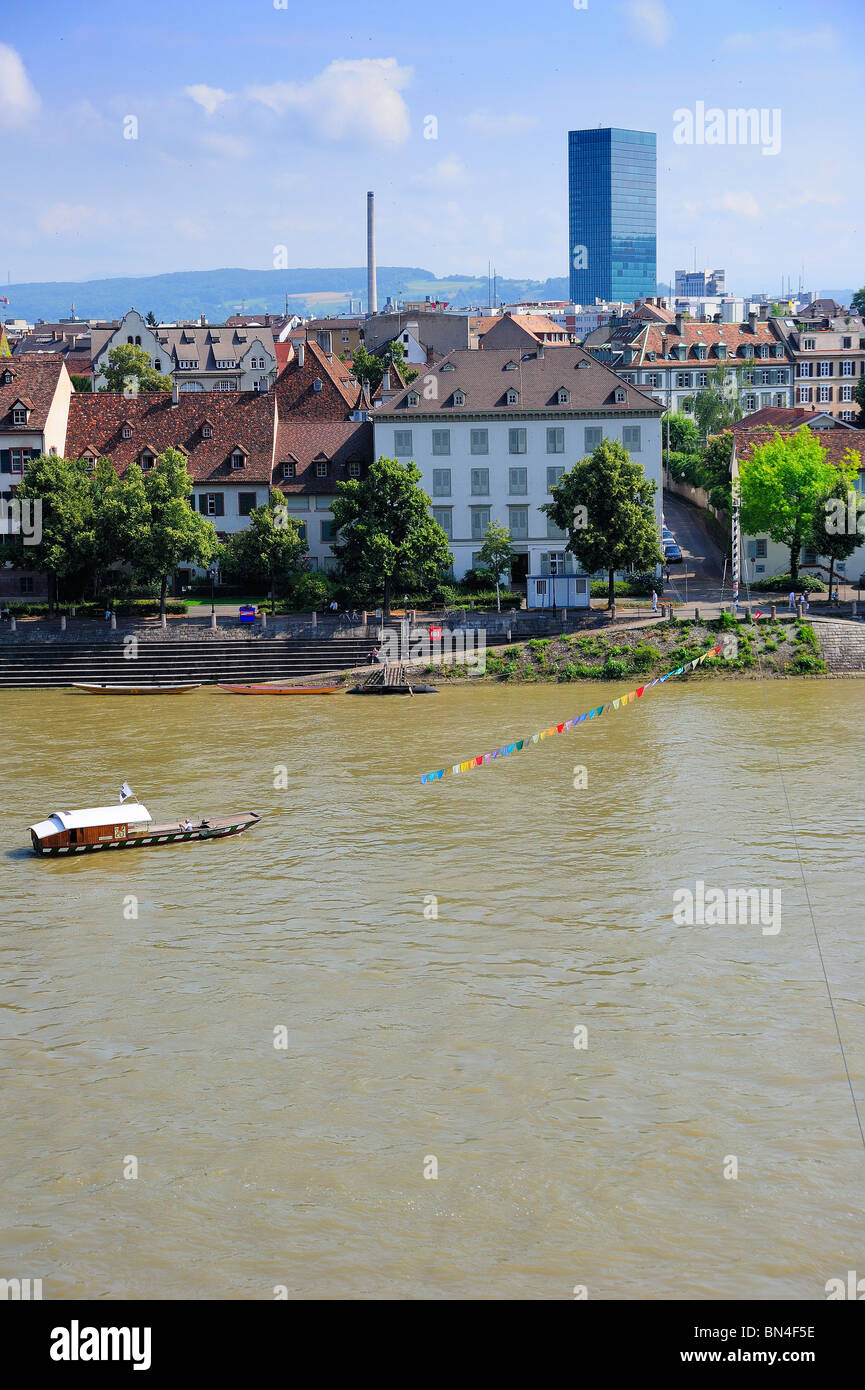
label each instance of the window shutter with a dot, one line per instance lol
(5, 461)
(220, 504)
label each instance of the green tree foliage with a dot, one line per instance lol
(387, 537)
(781, 487)
(121, 519)
(174, 533)
(680, 434)
(859, 397)
(127, 362)
(857, 303)
(271, 548)
(496, 554)
(80, 383)
(151, 320)
(715, 470)
(835, 529)
(716, 407)
(60, 490)
(606, 504)
(371, 367)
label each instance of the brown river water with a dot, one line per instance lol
(428, 952)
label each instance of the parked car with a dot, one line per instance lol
(672, 553)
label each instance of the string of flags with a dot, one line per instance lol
(523, 745)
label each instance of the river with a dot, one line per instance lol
(282, 1032)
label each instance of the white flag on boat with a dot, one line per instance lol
(125, 793)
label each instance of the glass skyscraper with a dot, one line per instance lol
(612, 176)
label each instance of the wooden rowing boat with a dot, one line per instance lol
(126, 827)
(93, 689)
(282, 689)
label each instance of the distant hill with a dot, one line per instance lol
(218, 293)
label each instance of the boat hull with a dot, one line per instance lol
(135, 689)
(393, 690)
(218, 829)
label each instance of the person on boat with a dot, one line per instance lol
(187, 824)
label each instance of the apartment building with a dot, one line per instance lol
(492, 431)
(199, 357)
(829, 356)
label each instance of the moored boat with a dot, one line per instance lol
(282, 689)
(126, 827)
(93, 689)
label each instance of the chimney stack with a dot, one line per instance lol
(175, 390)
(301, 354)
(371, 291)
(680, 323)
(752, 322)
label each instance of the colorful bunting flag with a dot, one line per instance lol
(524, 744)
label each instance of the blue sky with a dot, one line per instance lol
(261, 126)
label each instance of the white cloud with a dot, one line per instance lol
(782, 41)
(488, 126)
(18, 97)
(742, 204)
(207, 97)
(445, 173)
(650, 20)
(70, 218)
(228, 146)
(357, 99)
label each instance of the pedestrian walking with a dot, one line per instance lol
(654, 601)
(805, 604)
(791, 600)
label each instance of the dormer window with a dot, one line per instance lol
(8, 377)
(19, 415)
(238, 459)
(621, 395)
(412, 398)
(289, 470)
(207, 430)
(764, 350)
(747, 351)
(448, 367)
(147, 460)
(512, 397)
(701, 351)
(510, 366)
(721, 350)
(779, 349)
(564, 395)
(317, 384)
(321, 468)
(126, 432)
(459, 398)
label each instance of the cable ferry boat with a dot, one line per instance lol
(126, 827)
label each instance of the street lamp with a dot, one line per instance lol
(212, 582)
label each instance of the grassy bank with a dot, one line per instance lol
(779, 648)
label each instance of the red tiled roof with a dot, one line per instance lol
(663, 338)
(296, 394)
(835, 442)
(238, 420)
(305, 443)
(789, 415)
(35, 376)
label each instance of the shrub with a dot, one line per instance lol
(644, 656)
(568, 672)
(512, 652)
(614, 670)
(807, 664)
(807, 637)
(782, 584)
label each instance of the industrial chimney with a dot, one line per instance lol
(371, 292)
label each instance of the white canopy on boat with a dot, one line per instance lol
(93, 815)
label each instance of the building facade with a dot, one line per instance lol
(612, 183)
(829, 353)
(492, 432)
(199, 357)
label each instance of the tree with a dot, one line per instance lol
(497, 554)
(371, 367)
(681, 435)
(270, 548)
(62, 497)
(151, 319)
(857, 303)
(714, 470)
(859, 398)
(781, 484)
(716, 406)
(387, 536)
(126, 361)
(80, 383)
(606, 504)
(174, 532)
(835, 532)
(121, 519)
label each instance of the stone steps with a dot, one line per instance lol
(842, 645)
